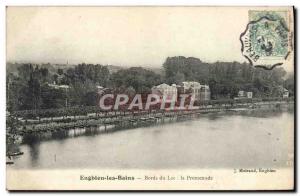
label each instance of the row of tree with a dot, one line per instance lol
(28, 87)
(225, 79)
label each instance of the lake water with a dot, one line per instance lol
(224, 140)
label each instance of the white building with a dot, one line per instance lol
(166, 91)
(244, 94)
(285, 93)
(205, 93)
(100, 89)
(64, 87)
(55, 86)
(249, 95)
(241, 94)
(200, 92)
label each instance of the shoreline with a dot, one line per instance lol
(114, 133)
(60, 133)
(119, 117)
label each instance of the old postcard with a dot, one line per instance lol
(150, 98)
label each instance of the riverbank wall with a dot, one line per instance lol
(120, 118)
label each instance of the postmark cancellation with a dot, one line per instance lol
(267, 39)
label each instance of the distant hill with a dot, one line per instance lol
(13, 67)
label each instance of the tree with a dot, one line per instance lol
(140, 79)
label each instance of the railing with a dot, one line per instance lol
(42, 124)
(85, 110)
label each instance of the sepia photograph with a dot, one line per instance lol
(150, 98)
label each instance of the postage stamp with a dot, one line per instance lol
(266, 40)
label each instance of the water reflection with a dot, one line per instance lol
(34, 153)
(223, 139)
(62, 134)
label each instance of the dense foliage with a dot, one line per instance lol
(28, 84)
(225, 79)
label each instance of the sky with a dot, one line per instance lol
(124, 36)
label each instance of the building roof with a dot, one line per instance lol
(59, 86)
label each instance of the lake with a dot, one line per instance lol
(254, 138)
